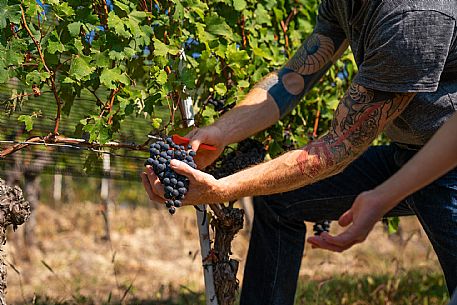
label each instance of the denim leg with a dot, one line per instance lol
(274, 257)
(278, 233)
(436, 208)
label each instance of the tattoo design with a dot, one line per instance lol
(360, 117)
(313, 55)
(301, 72)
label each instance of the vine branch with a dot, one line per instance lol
(57, 139)
(285, 25)
(51, 73)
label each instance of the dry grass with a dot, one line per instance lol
(153, 256)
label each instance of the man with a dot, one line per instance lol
(406, 52)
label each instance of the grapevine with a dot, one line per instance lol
(229, 220)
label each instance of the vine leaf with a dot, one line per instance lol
(80, 69)
(54, 44)
(110, 77)
(28, 121)
(239, 5)
(220, 89)
(74, 28)
(161, 49)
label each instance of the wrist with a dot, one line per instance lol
(223, 137)
(227, 189)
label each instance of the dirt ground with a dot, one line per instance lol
(152, 254)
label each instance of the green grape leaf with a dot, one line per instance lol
(80, 69)
(111, 77)
(74, 28)
(54, 44)
(27, 120)
(220, 89)
(393, 223)
(239, 5)
(161, 49)
(118, 25)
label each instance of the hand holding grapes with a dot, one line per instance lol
(203, 188)
(211, 135)
(367, 209)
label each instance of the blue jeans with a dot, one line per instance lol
(278, 233)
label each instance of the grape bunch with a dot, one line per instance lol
(249, 152)
(175, 185)
(220, 106)
(321, 226)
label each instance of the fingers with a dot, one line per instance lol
(346, 218)
(182, 168)
(337, 243)
(147, 187)
(154, 182)
(319, 242)
(196, 138)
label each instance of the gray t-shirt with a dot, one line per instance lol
(402, 46)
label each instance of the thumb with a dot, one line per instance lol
(182, 168)
(195, 143)
(194, 138)
(346, 218)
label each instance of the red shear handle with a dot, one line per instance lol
(184, 141)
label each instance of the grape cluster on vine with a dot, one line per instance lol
(175, 185)
(220, 105)
(249, 152)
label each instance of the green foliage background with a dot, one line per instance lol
(136, 59)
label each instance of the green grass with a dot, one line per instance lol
(411, 287)
(406, 288)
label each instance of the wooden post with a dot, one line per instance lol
(207, 259)
(186, 109)
(57, 192)
(104, 194)
(14, 210)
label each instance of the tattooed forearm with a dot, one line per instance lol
(313, 55)
(288, 85)
(360, 117)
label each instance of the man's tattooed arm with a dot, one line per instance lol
(361, 115)
(280, 91)
(288, 85)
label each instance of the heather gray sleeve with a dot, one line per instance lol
(406, 52)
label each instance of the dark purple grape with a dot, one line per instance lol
(182, 190)
(172, 210)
